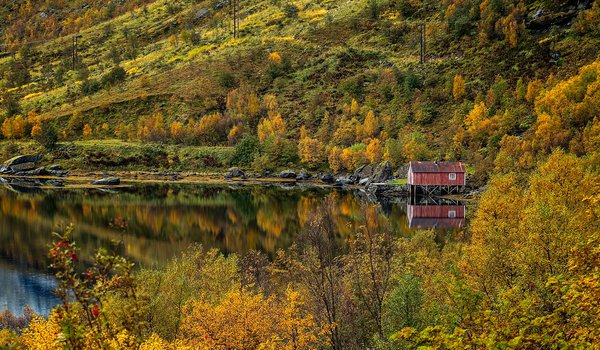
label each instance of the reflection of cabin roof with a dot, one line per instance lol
(437, 167)
(441, 223)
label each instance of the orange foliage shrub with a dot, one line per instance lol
(87, 131)
(243, 103)
(210, 129)
(275, 57)
(178, 132)
(14, 128)
(152, 128)
(36, 131)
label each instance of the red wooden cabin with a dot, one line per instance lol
(436, 174)
(435, 216)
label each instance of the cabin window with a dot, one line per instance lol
(452, 176)
(451, 213)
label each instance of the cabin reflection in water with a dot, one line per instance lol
(435, 215)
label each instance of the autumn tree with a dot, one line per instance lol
(370, 127)
(345, 134)
(273, 126)
(177, 131)
(152, 128)
(335, 159)
(534, 87)
(415, 147)
(374, 151)
(370, 261)
(458, 87)
(243, 104)
(310, 150)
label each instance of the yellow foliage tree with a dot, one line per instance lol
(7, 129)
(271, 126)
(533, 89)
(270, 103)
(369, 129)
(549, 132)
(246, 320)
(374, 151)
(36, 131)
(243, 103)
(310, 150)
(345, 134)
(152, 128)
(335, 159)
(458, 87)
(177, 131)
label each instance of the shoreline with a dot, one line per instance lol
(80, 179)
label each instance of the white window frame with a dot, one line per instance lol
(452, 176)
(452, 214)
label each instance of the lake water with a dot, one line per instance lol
(163, 220)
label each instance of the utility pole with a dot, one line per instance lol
(422, 42)
(74, 51)
(236, 19)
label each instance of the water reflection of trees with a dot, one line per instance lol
(164, 220)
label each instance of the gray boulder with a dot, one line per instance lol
(39, 172)
(382, 173)
(327, 178)
(287, 174)
(361, 173)
(234, 173)
(22, 160)
(363, 182)
(304, 175)
(56, 183)
(109, 181)
(22, 167)
(343, 181)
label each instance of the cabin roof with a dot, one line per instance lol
(437, 167)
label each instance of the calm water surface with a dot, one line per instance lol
(163, 220)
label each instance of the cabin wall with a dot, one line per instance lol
(435, 179)
(435, 211)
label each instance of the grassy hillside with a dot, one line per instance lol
(327, 63)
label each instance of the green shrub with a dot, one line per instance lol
(90, 86)
(49, 137)
(291, 10)
(116, 75)
(245, 151)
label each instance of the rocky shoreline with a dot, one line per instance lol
(374, 180)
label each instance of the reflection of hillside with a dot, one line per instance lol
(164, 220)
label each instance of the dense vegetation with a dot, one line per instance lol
(528, 279)
(318, 83)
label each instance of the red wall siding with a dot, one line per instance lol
(435, 179)
(434, 211)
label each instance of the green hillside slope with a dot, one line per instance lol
(323, 83)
